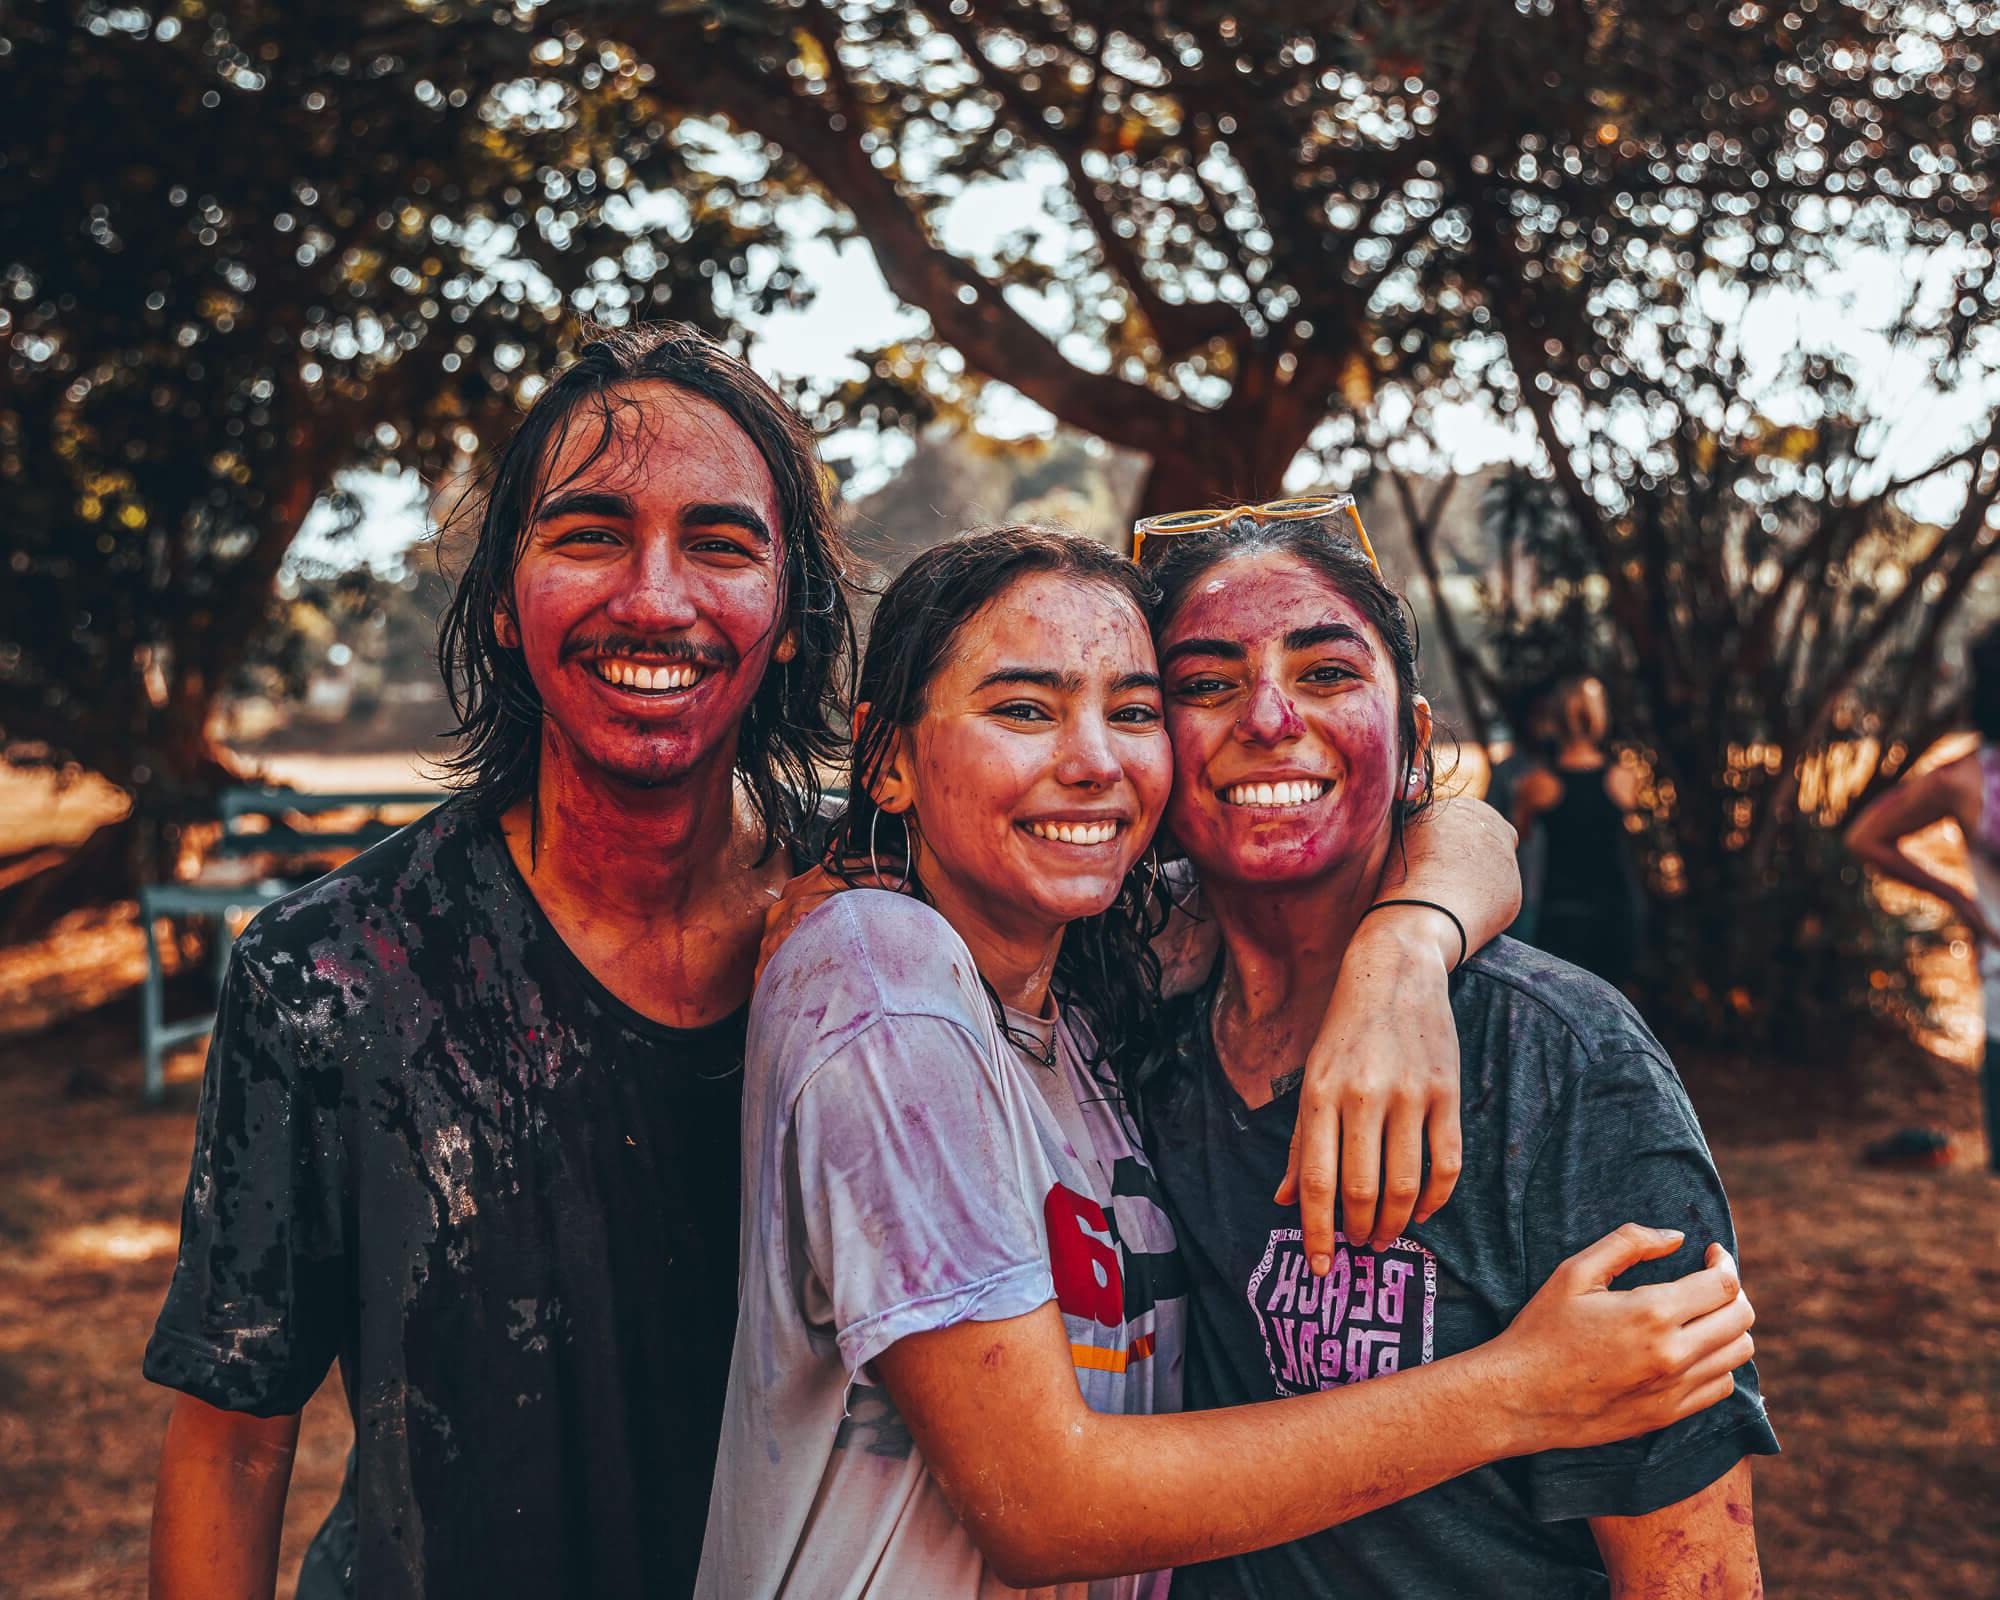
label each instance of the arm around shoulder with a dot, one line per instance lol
(1052, 1491)
(1381, 1079)
(1461, 853)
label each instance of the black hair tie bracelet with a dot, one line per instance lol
(1464, 945)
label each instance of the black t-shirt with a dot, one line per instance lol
(1573, 1121)
(433, 1146)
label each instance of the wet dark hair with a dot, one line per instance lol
(790, 728)
(1982, 656)
(1521, 703)
(1323, 544)
(1106, 971)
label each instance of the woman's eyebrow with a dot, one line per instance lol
(1227, 649)
(1035, 677)
(1325, 633)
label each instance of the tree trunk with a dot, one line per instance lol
(1221, 458)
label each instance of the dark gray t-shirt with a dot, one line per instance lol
(1574, 1121)
(433, 1146)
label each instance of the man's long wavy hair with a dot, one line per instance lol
(1106, 971)
(790, 731)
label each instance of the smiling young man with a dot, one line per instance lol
(469, 1123)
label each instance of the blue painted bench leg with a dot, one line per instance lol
(152, 1009)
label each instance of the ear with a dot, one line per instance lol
(891, 786)
(788, 646)
(504, 628)
(1420, 716)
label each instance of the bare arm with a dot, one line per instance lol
(219, 1508)
(1051, 1490)
(1382, 1077)
(1537, 792)
(1704, 1548)
(1876, 837)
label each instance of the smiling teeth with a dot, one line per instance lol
(1075, 832)
(630, 675)
(1295, 793)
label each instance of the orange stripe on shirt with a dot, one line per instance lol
(1095, 1359)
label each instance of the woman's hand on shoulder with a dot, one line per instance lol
(1381, 1083)
(1584, 1364)
(799, 899)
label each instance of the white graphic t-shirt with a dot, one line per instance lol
(907, 1167)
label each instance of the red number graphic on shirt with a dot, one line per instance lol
(1082, 1258)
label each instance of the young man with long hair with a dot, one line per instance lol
(469, 1123)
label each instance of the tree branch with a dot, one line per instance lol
(1178, 327)
(1475, 685)
(966, 310)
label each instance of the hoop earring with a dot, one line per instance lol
(1150, 864)
(1154, 891)
(1157, 885)
(874, 861)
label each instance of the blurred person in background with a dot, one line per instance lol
(1968, 792)
(1531, 732)
(1592, 907)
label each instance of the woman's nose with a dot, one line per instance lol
(1270, 716)
(1087, 759)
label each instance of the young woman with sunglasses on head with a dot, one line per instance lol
(1287, 665)
(961, 1300)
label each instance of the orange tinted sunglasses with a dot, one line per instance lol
(1171, 524)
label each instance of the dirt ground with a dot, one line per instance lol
(1878, 1297)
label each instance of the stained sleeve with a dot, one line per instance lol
(910, 1173)
(254, 1313)
(1626, 1147)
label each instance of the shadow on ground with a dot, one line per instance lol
(1878, 1297)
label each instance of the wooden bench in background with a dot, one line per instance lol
(269, 846)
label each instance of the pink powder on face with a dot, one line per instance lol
(1274, 676)
(635, 569)
(990, 761)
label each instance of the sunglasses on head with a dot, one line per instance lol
(1300, 508)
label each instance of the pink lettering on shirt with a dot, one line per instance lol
(1373, 1313)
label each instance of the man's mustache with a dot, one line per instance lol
(653, 645)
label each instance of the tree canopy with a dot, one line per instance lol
(1272, 213)
(254, 248)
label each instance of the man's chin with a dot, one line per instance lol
(647, 771)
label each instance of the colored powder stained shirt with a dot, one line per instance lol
(909, 1167)
(432, 1146)
(1573, 1122)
